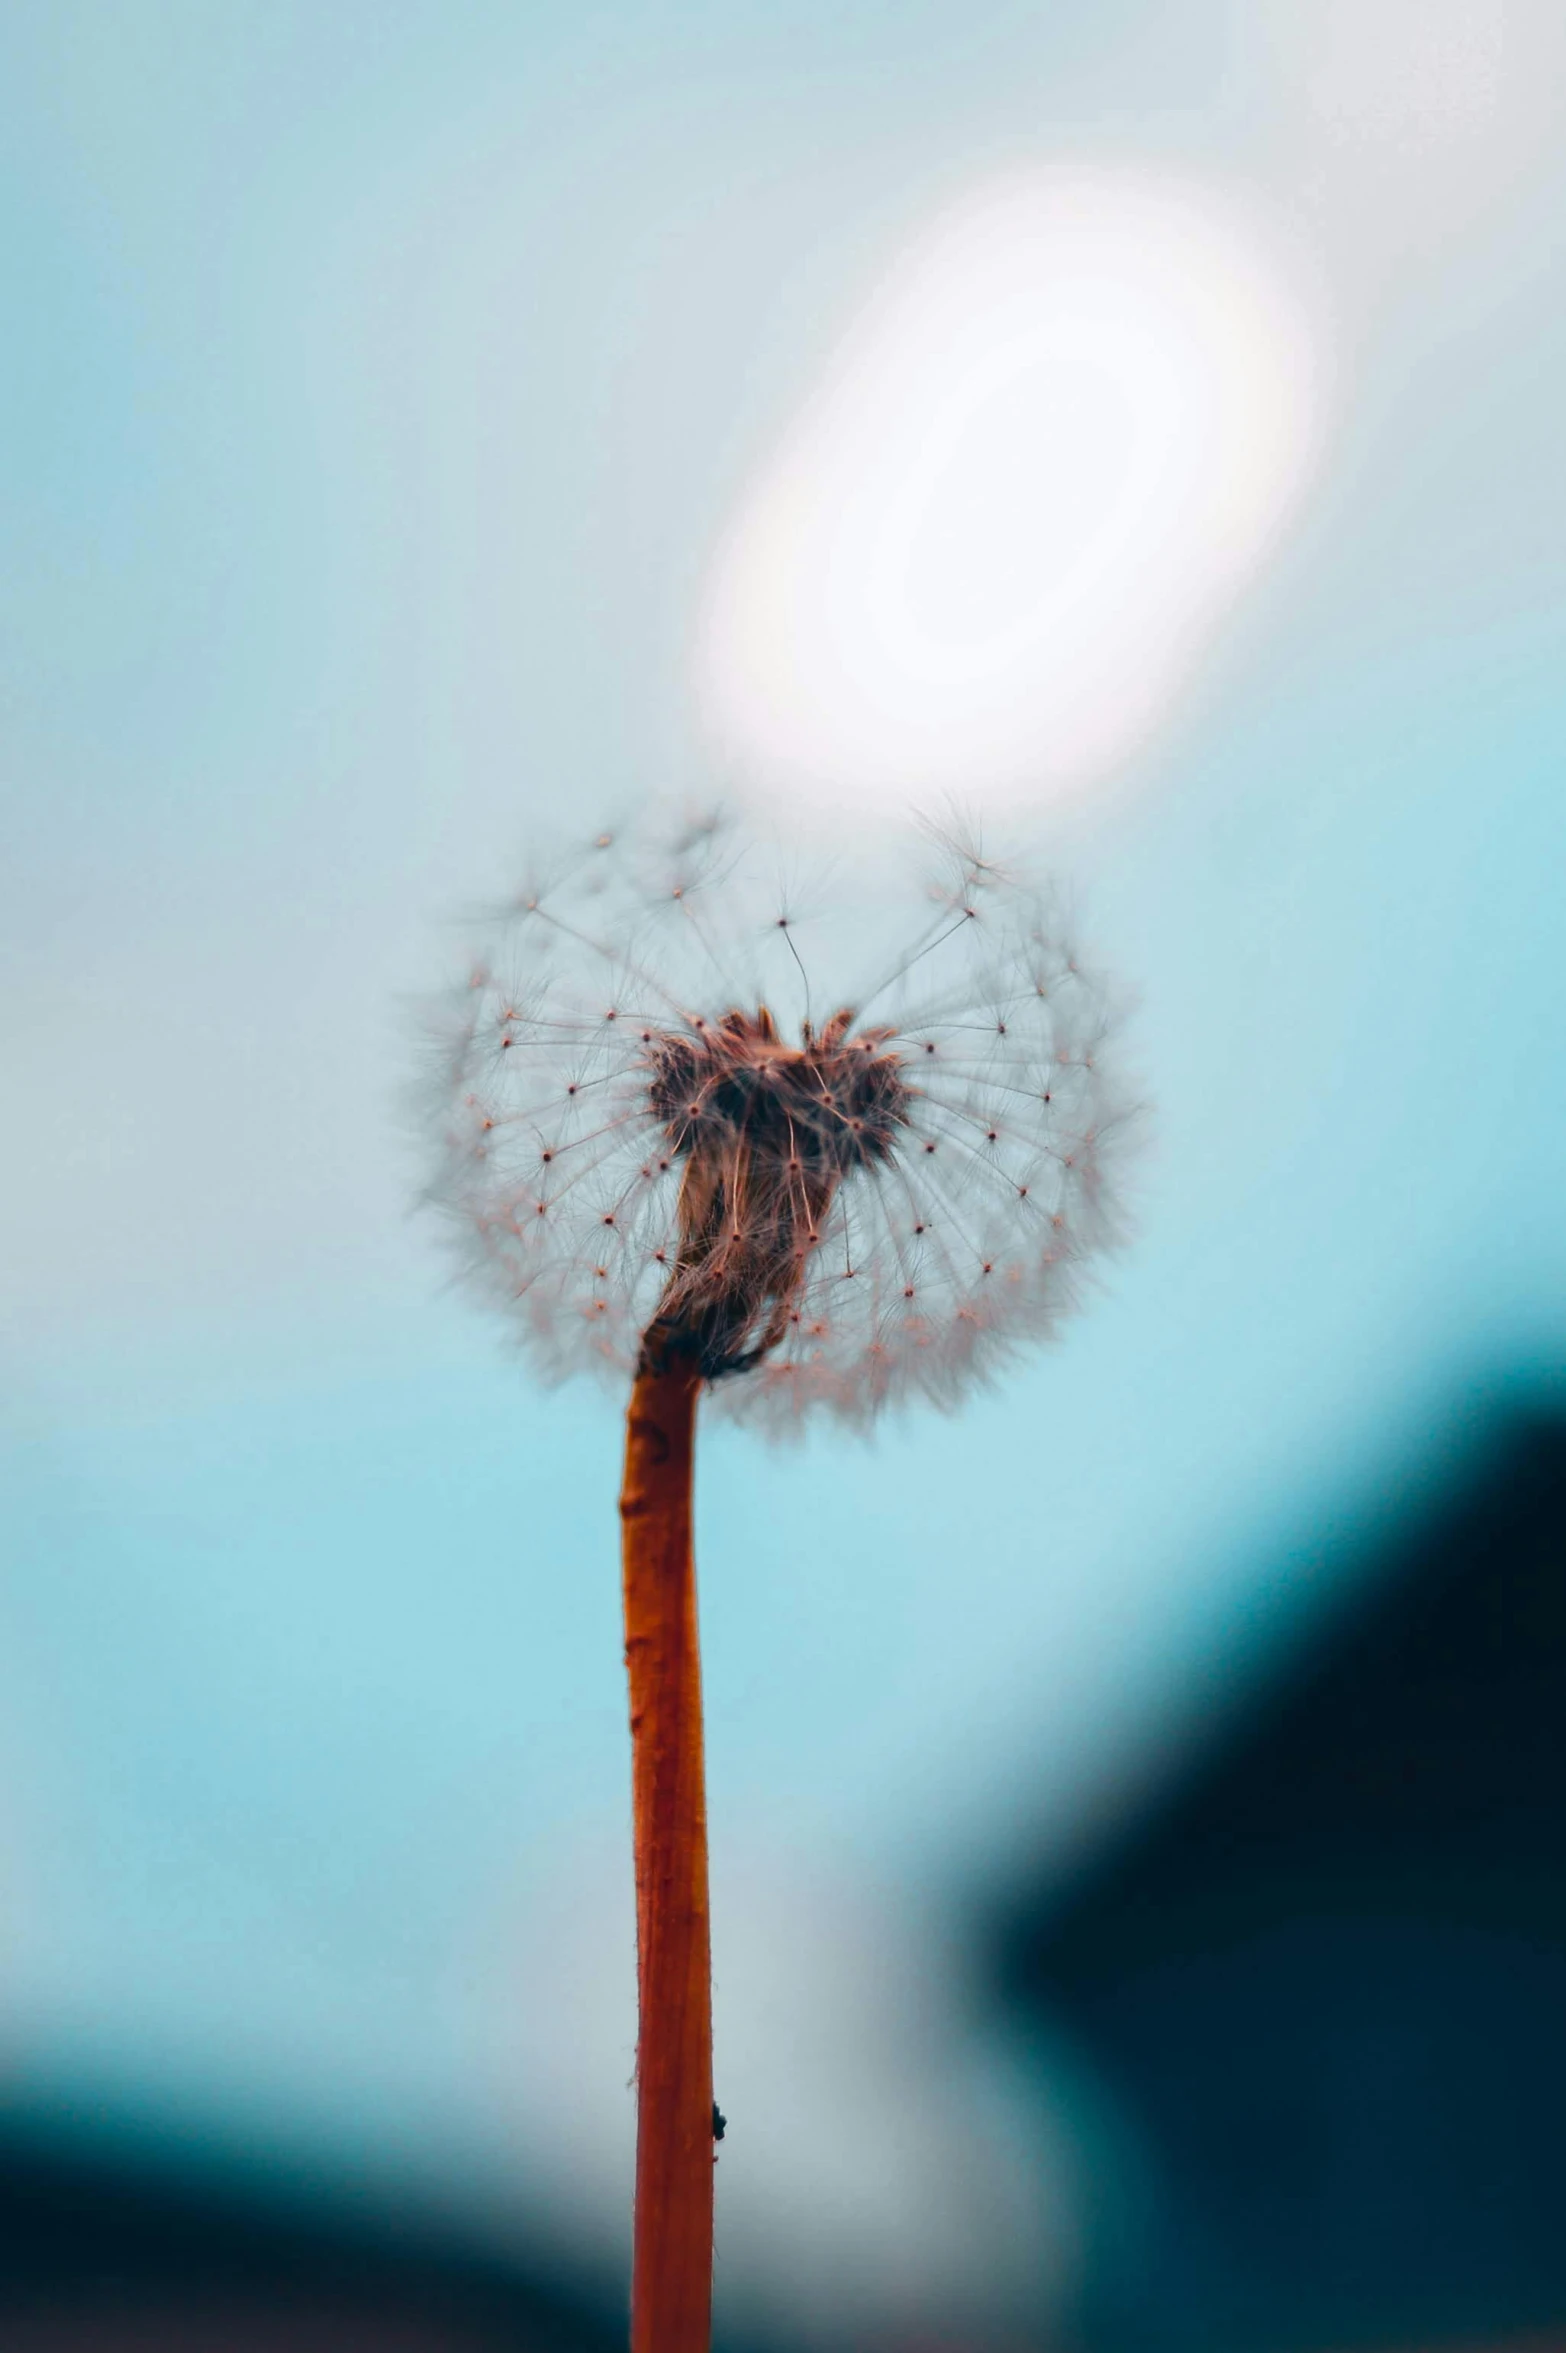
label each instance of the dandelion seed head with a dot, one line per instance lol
(840, 1168)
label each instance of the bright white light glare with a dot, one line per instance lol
(987, 551)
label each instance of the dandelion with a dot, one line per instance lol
(676, 1160)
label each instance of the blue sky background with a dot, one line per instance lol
(374, 381)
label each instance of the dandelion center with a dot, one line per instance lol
(767, 1132)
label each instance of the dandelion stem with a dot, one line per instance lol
(671, 2283)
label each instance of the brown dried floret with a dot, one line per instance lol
(767, 1132)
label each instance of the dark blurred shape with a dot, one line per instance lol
(1320, 1986)
(104, 2251)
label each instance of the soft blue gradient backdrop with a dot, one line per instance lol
(374, 380)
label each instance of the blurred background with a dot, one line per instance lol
(1139, 1804)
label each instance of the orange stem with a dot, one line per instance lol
(671, 2277)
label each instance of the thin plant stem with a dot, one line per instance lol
(671, 2278)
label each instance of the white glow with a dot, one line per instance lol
(987, 551)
